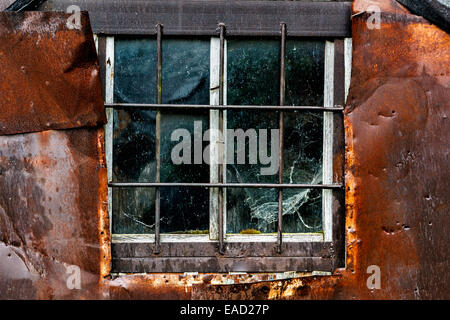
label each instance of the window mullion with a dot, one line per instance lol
(109, 98)
(214, 137)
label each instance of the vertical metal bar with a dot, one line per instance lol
(108, 55)
(281, 124)
(221, 145)
(158, 138)
(327, 158)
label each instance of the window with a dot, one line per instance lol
(225, 135)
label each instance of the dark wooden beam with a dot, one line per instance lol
(242, 18)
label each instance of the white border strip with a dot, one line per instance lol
(214, 138)
(348, 45)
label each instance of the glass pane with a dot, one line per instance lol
(185, 210)
(252, 155)
(302, 210)
(304, 72)
(303, 136)
(135, 70)
(185, 80)
(253, 79)
(133, 210)
(182, 158)
(134, 146)
(185, 75)
(185, 71)
(253, 72)
(251, 210)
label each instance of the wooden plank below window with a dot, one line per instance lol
(220, 264)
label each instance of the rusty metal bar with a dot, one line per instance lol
(337, 108)
(157, 248)
(224, 185)
(221, 130)
(281, 124)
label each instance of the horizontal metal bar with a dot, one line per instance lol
(336, 108)
(224, 185)
(200, 18)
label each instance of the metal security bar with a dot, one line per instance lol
(221, 185)
(158, 138)
(281, 124)
(221, 143)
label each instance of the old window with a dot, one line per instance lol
(225, 136)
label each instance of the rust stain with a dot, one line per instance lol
(49, 74)
(350, 199)
(103, 217)
(396, 190)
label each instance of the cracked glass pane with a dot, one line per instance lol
(185, 80)
(302, 210)
(305, 62)
(253, 79)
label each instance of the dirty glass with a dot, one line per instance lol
(302, 163)
(135, 70)
(303, 135)
(248, 209)
(134, 161)
(302, 210)
(185, 80)
(253, 79)
(304, 72)
(253, 70)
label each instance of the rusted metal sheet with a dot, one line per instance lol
(397, 158)
(52, 183)
(49, 74)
